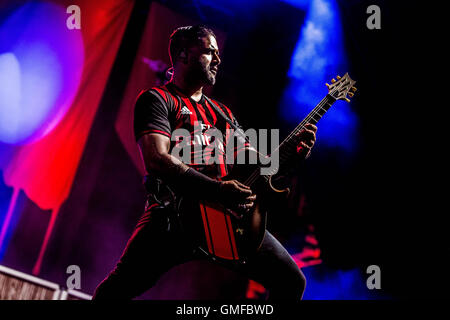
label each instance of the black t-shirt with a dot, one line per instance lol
(165, 110)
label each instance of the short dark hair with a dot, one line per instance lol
(186, 37)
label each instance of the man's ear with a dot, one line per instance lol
(183, 56)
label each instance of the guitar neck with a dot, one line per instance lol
(288, 148)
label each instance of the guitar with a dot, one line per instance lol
(226, 235)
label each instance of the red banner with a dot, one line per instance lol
(45, 166)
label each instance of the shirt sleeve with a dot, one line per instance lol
(151, 115)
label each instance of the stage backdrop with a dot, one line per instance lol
(55, 76)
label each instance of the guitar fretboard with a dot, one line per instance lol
(288, 148)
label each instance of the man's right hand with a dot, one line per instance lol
(236, 195)
(232, 194)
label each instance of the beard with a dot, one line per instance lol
(201, 73)
(209, 77)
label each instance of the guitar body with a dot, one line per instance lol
(222, 233)
(219, 233)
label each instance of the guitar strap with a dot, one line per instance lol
(227, 119)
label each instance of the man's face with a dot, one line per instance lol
(204, 60)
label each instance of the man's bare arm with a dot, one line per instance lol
(155, 151)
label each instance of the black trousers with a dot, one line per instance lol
(157, 245)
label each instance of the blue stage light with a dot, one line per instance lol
(318, 57)
(41, 63)
(330, 284)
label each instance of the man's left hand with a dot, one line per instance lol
(307, 139)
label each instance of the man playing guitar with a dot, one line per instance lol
(157, 243)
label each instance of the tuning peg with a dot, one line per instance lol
(347, 99)
(333, 80)
(338, 77)
(353, 89)
(351, 94)
(328, 86)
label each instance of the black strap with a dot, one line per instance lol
(219, 111)
(227, 119)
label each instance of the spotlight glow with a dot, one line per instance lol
(40, 69)
(318, 57)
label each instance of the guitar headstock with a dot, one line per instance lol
(341, 87)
